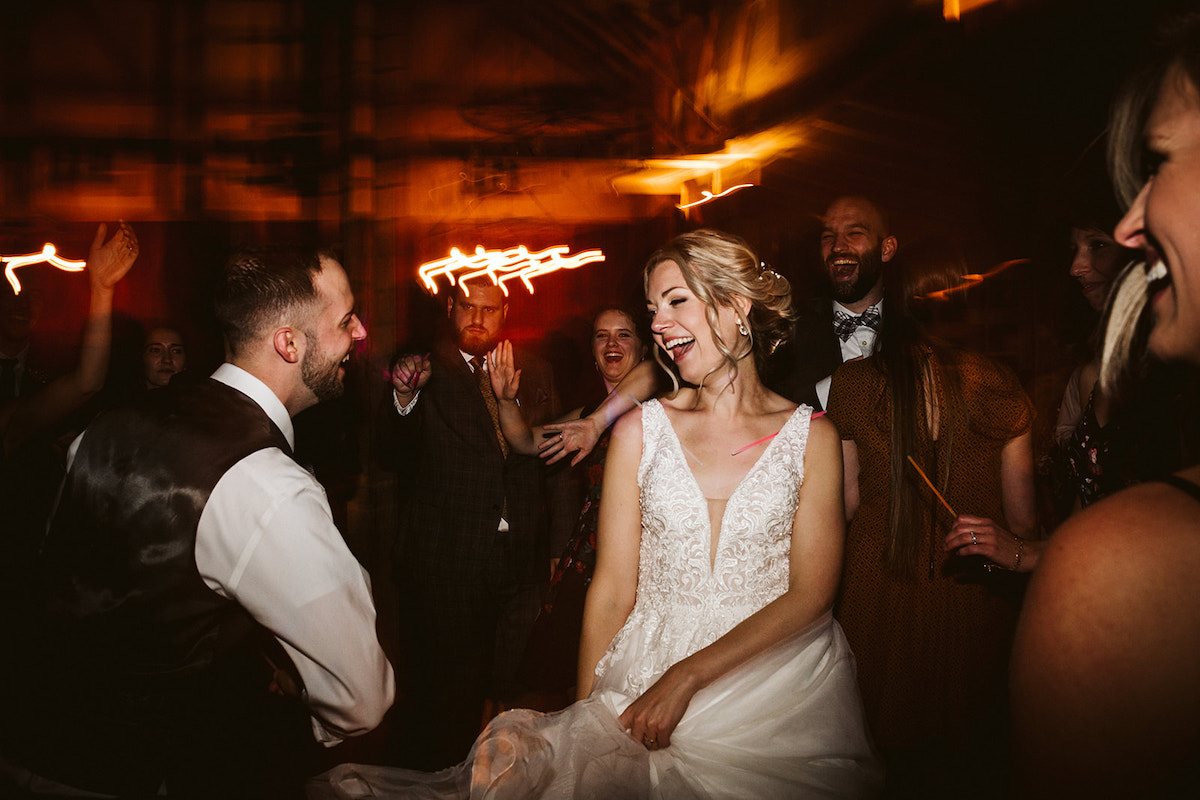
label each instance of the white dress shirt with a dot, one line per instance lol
(266, 540)
(860, 345)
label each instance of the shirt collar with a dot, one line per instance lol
(260, 393)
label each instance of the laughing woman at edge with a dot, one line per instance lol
(1106, 701)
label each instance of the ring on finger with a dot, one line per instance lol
(973, 539)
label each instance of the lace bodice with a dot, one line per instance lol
(683, 604)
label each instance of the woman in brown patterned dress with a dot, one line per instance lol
(929, 623)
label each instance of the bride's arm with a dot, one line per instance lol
(815, 564)
(618, 539)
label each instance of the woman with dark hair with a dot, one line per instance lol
(1105, 696)
(710, 664)
(163, 356)
(1105, 440)
(930, 430)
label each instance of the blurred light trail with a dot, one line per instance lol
(707, 195)
(501, 266)
(48, 255)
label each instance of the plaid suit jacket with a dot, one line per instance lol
(454, 478)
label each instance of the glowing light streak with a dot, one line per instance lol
(48, 255)
(501, 266)
(706, 195)
(968, 280)
(953, 10)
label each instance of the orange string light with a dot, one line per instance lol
(48, 255)
(501, 266)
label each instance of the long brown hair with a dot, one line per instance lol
(922, 283)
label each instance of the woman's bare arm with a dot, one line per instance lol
(850, 481)
(1017, 492)
(1012, 547)
(613, 588)
(107, 263)
(580, 435)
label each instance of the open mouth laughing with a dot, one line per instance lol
(842, 268)
(614, 357)
(1158, 279)
(679, 346)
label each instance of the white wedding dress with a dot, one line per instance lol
(786, 724)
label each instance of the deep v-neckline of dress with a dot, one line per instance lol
(762, 457)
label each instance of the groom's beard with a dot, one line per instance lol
(870, 267)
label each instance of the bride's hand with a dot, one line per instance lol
(652, 717)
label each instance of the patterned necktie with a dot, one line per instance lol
(489, 400)
(845, 324)
(8, 378)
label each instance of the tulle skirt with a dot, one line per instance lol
(786, 724)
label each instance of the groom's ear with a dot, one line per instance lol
(289, 344)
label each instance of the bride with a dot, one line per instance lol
(710, 665)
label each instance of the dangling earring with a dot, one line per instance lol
(742, 327)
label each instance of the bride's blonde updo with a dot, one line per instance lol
(717, 266)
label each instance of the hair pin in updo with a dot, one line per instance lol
(764, 270)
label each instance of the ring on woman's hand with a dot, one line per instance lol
(650, 742)
(973, 539)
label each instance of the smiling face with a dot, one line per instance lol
(680, 325)
(616, 345)
(477, 318)
(1164, 220)
(163, 357)
(855, 246)
(1096, 258)
(334, 332)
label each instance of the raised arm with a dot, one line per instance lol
(506, 382)
(614, 583)
(107, 263)
(394, 428)
(580, 435)
(816, 566)
(409, 374)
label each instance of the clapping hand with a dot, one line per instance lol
(503, 372)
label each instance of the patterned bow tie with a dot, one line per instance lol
(845, 324)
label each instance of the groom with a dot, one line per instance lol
(204, 625)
